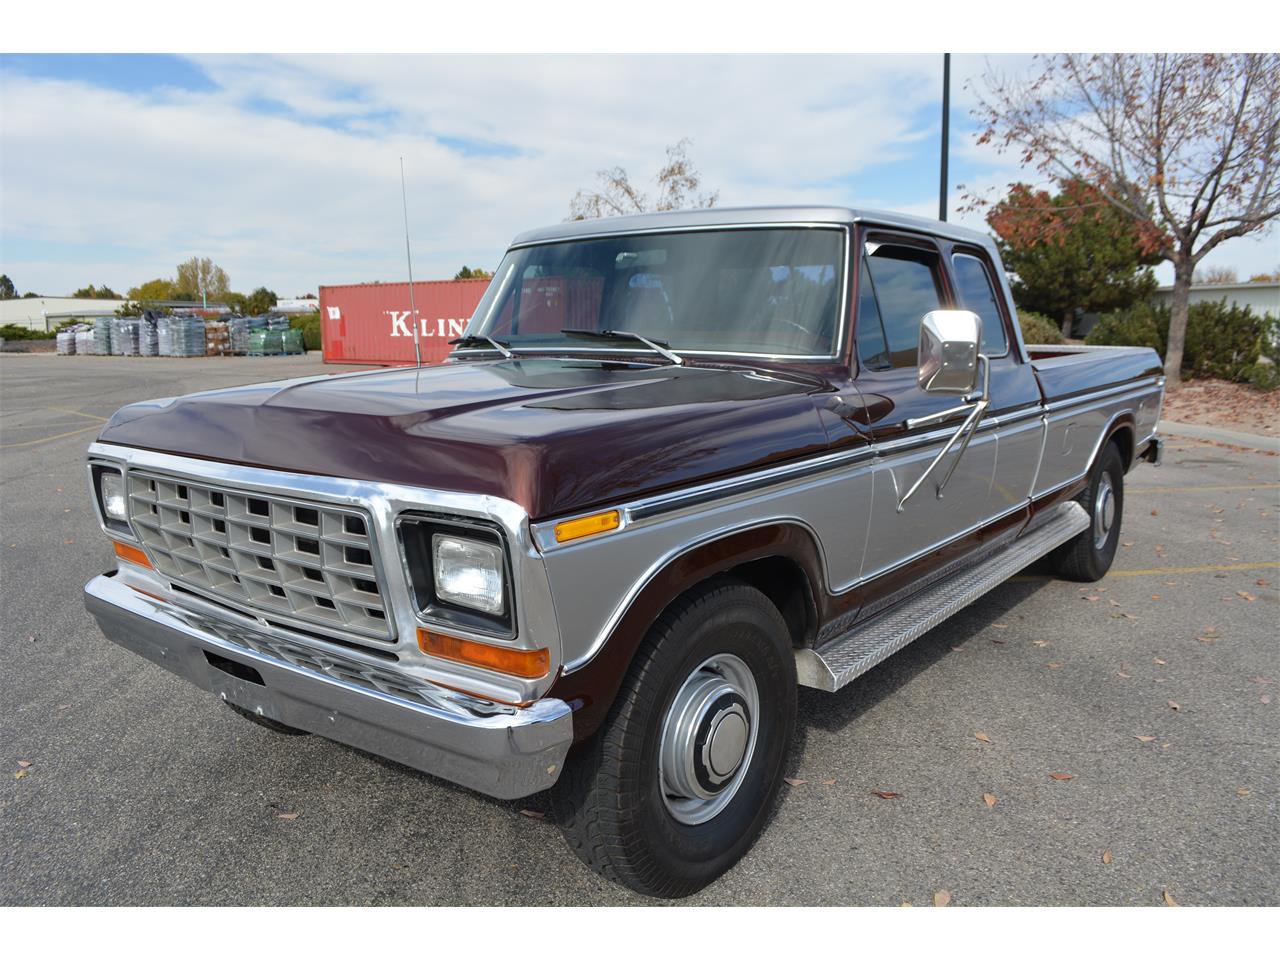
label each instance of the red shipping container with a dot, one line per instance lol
(369, 322)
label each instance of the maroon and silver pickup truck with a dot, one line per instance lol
(679, 464)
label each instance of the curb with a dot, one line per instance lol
(1234, 437)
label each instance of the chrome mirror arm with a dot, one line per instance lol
(965, 431)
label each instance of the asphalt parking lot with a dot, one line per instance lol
(1154, 692)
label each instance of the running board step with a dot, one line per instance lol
(853, 654)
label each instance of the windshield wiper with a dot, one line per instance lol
(480, 340)
(657, 346)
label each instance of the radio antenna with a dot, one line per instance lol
(413, 310)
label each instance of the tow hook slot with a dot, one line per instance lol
(241, 671)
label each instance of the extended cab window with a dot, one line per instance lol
(975, 292)
(901, 285)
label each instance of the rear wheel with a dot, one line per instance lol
(678, 783)
(1088, 556)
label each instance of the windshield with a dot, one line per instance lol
(773, 291)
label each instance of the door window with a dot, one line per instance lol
(975, 292)
(902, 284)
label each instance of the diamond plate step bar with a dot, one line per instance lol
(854, 653)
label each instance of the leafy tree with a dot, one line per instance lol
(7, 289)
(31, 295)
(1070, 251)
(158, 289)
(467, 273)
(1266, 277)
(259, 302)
(1186, 145)
(677, 183)
(97, 293)
(201, 277)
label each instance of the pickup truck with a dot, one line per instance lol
(678, 465)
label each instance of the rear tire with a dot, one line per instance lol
(678, 783)
(1087, 557)
(275, 726)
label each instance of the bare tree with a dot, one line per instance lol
(1216, 275)
(1188, 145)
(677, 183)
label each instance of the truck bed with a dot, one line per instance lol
(1065, 371)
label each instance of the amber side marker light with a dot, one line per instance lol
(528, 664)
(132, 554)
(588, 526)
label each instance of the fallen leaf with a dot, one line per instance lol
(829, 783)
(1145, 739)
(989, 799)
(1124, 616)
(1062, 776)
(1163, 663)
(1041, 643)
(1261, 679)
(1246, 595)
(287, 816)
(1093, 599)
(997, 640)
(907, 903)
(795, 781)
(942, 898)
(1174, 705)
(532, 814)
(1242, 792)
(1001, 626)
(982, 736)
(1126, 543)
(1122, 675)
(24, 764)
(1155, 513)
(1265, 698)
(1054, 666)
(1155, 596)
(1106, 855)
(885, 794)
(20, 774)
(1260, 583)
(1168, 900)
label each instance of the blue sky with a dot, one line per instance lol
(285, 169)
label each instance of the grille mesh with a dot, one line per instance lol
(290, 559)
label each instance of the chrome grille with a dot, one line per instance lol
(312, 564)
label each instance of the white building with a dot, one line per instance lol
(45, 313)
(1262, 297)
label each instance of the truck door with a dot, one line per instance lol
(901, 278)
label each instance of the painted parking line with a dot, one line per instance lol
(91, 416)
(1169, 571)
(56, 436)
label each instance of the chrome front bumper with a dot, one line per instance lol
(503, 751)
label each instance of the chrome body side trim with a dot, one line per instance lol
(503, 751)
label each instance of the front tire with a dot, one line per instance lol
(1087, 557)
(677, 785)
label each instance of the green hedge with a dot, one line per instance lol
(11, 331)
(1227, 342)
(1037, 328)
(309, 324)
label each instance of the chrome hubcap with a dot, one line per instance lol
(708, 737)
(1104, 512)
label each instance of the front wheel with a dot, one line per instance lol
(678, 783)
(1087, 557)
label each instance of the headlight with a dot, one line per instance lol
(113, 505)
(468, 573)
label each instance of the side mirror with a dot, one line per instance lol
(948, 357)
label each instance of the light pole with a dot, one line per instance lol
(946, 129)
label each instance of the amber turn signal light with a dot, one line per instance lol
(588, 526)
(132, 554)
(528, 664)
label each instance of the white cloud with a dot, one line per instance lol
(101, 186)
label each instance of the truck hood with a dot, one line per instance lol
(554, 435)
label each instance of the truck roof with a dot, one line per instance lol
(737, 216)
